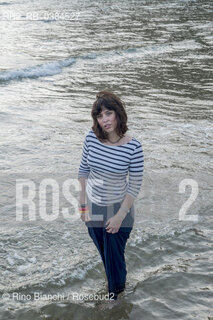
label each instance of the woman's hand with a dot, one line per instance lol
(113, 224)
(85, 217)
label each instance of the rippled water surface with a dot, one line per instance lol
(54, 57)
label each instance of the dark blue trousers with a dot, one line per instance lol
(111, 246)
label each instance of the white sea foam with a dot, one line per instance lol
(23, 268)
(43, 70)
(53, 68)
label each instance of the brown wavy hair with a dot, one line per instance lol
(110, 101)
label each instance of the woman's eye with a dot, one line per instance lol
(100, 116)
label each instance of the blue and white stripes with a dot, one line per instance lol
(107, 167)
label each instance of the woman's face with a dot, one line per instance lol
(107, 120)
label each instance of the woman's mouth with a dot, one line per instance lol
(107, 126)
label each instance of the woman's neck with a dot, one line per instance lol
(112, 136)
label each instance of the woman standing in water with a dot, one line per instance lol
(106, 199)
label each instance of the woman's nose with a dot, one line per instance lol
(104, 118)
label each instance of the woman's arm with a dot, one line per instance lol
(125, 206)
(82, 191)
(82, 201)
(135, 181)
(83, 173)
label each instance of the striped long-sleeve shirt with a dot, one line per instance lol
(107, 167)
